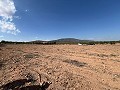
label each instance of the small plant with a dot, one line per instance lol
(2, 45)
(30, 55)
(113, 55)
(116, 60)
(76, 63)
(1, 64)
(102, 55)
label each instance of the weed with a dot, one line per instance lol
(1, 64)
(113, 55)
(102, 55)
(2, 45)
(116, 60)
(30, 55)
(76, 63)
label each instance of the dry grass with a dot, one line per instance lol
(76, 63)
(1, 64)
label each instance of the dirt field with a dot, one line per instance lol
(68, 67)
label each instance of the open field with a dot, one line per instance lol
(68, 67)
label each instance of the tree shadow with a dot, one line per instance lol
(20, 85)
(15, 84)
(44, 86)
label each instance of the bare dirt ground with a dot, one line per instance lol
(68, 67)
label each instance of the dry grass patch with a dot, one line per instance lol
(31, 55)
(76, 63)
(1, 64)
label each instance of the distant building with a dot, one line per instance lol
(79, 44)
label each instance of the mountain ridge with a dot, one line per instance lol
(71, 40)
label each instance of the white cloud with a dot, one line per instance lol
(7, 11)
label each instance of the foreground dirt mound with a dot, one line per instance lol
(65, 67)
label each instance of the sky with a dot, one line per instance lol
(27, 20)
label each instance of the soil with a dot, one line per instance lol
(68, 67)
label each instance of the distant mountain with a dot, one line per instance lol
(38, 41)
(70, 40)
(62, 41)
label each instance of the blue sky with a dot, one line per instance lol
(53, 19)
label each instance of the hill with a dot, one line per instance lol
(70, 40)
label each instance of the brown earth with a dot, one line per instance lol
(68, 67)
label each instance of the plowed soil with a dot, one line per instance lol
(68, 67)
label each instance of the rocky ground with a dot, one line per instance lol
(68, 67)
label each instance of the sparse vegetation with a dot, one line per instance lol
(76, 63)
(2, 45)
(1, 64)
(31, 55)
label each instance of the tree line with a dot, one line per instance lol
(55, 42)
(37, 42)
